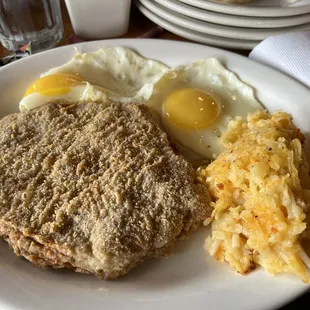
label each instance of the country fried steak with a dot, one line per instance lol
(92, 188)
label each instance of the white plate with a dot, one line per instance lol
(194, 35)
(262, 8)
(216, 30)
(188, 279)
(234, 20)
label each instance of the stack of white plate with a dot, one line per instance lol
(228, 25)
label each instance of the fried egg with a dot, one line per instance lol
(62, 86)
(115, 74)
(196, 103)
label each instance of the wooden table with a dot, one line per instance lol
(138, 26)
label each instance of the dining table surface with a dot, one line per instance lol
(138, 26)
(141, 27)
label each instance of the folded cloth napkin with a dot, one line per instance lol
(288, 52)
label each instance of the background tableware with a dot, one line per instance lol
(218, 30)
(35, 21)
(98, 19)
(234, 20)
(194, 35)
(262, 8)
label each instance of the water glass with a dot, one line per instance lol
(38, 22)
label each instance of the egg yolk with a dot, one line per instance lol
(54, 85)
(191, 108)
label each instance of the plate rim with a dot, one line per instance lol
(194, 35)
(249, 11)
(230, 32)
(126, 42)
(233, 20)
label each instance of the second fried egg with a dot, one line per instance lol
(197, 102)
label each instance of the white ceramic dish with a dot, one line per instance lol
(234, 20)
(194, 35)
(98, 19)
(262, 8)
(188, 279)
(217, 30)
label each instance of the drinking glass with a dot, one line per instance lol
(37, 22)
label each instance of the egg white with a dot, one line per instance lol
(235, 97)
(124, 75)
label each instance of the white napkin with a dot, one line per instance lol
(288, 52)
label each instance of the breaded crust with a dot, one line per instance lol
(93, 188)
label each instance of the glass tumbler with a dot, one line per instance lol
(38, 22)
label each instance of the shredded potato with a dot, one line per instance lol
(260, 190)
